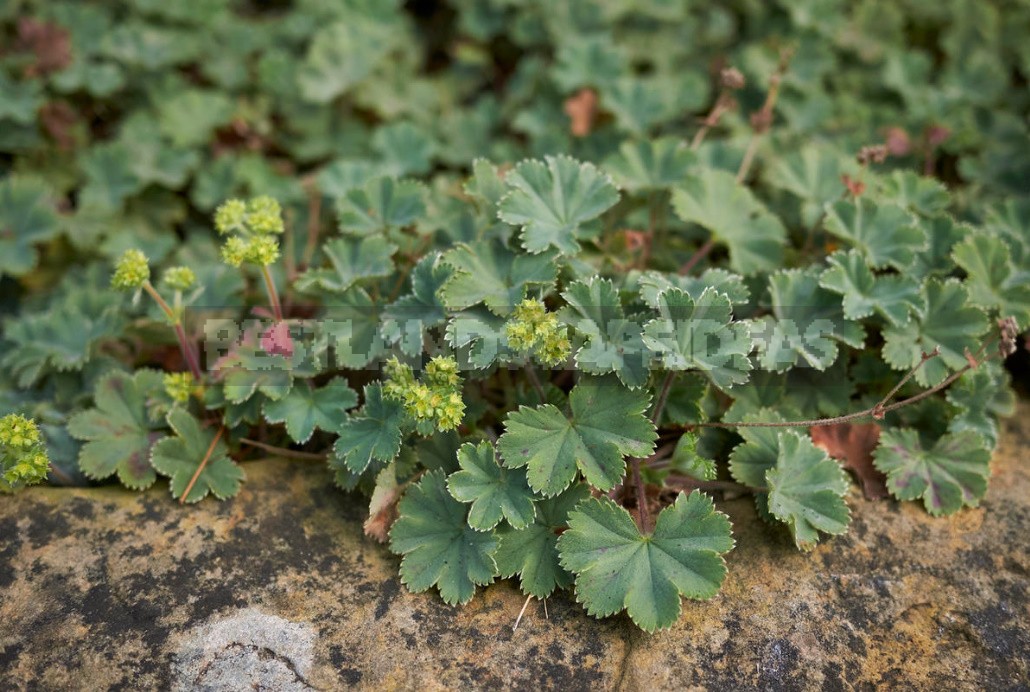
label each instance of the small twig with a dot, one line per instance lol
(521, 613)
(284, 452)
(188, 352)
(203, 463)
(701, 253)
(761, 121)
(642, 511)
(878, 409)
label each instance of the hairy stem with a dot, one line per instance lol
(638, 484)
(663, 397)
(180, 333)
(273, 294)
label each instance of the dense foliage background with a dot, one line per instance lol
(125, 124)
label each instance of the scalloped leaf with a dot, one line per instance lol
(495, 492)
(181, 456)
(373, 433)
(306, 409)
(382, 203)
(551, 199)
(947, 322)
(350, 261)
(806, 490)
(700, 335)
(949, 475)
(714, 200)
(439, 548)
(619, 568)
(894, 297)
(532, 552)
(607, 424)
(27, 217)
(489, 273)
(613, 342)
(991, 279)
(119, 431)
(885, 234)
(651, 164)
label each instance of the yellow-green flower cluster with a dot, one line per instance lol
(180, 278)
(179, 386)
(23, 457)
(255, 225)
(131, 271)
(531, 329)
(436, 398)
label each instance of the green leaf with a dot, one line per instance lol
(250, 370)
(350, 260)
(373, 433)
(991, 279)
(714, 200)
(806, 490)
(350, 328)
(304, 409)
(532, 552)
(607, 424)
(981, 396)
(19, 101)
(807, 323)
(179, 458)
(942, 233)
(382, 203)
(613, 342)
(916, 193)
(489, 273)
(885, 234)
(406, 320)
(894, 297)
(813, 174)
(654, 164)
(951, 474)
(947, 322)
(404, 148)
(343, 54)
(494, 491)
(482, 336)
(27, 217)
(551, 199)
(700, 335)
(110, 177)
(439, 547)
(119, 430)
(652, 283)
(618, 568)
(753, 458)
(686, 460)
(188, 118)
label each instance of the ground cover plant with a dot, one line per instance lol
(543, 281)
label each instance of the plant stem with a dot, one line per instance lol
(729, 486)
(701, 253)
(877, 411)
(187, 349)
(283, 451)
(663, 396)
(749, 157)
(535, 381)
(642, 511)
(273, 294)
(203, 463)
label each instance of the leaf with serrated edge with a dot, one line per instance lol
(306, 409)
(439, 547)
(350, 261)
(373, 433)
(119, 431)
(532, 552)
(179, 458)
(948, 322)
(613, 342)
(951, 474)
(885, 234)
(700, 335)
(607, 424)
(550, 199)
(651, 164)
(806, 490)
(991, 279)
(894, 297)
(618, 568)
(489, 273)
(495, 492)
(380, 204)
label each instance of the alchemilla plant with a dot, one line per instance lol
(546, 282)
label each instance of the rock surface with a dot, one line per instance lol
(106, 589)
